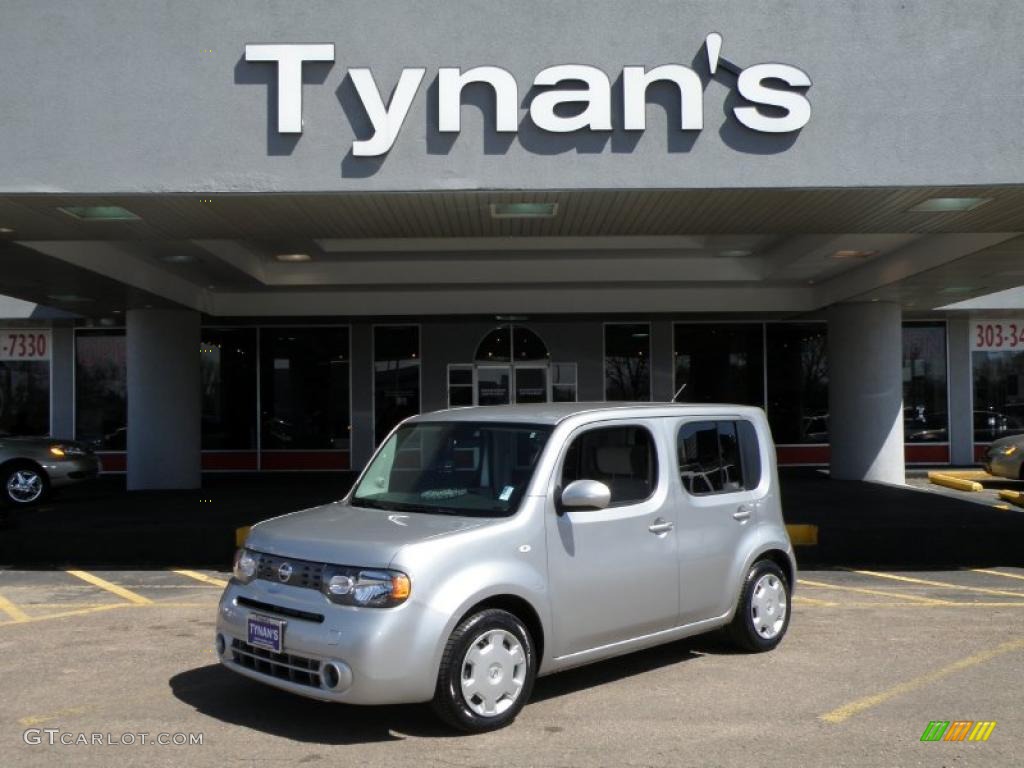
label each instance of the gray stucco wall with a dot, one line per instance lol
(106, 96)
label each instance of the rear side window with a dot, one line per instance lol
(623, 458)
(718, 457)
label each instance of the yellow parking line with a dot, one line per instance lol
(857, 706)
(63, 614)
(943, 584)
(203, 578)
(37, 719)
(12, 610)
(864, 591)
(127, 594)
(998, 573)
(812, 601)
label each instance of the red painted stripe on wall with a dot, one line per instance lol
(113, 461)
(979, 451)
(299, 460)
(241, 461)
(926, 454)
(802, 454)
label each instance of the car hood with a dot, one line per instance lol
(346, 535)
(1017, 440)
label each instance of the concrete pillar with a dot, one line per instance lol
(961, 391)
(62, 382)
(865, 354)
(164, 406)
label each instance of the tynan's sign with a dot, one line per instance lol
(779, 87)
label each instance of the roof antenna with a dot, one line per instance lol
(678, 392)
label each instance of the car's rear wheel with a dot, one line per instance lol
(24, 484)
(487, 672)
(762, 613)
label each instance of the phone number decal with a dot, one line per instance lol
(997, 335)
(24, 345)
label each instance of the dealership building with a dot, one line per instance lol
(242, 236)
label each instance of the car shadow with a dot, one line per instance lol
(221, 694)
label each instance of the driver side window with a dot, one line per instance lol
(623, 458)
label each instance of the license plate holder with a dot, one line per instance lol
(266, 633)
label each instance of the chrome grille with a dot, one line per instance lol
(284, 666)
(304, 573)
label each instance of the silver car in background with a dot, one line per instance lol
(1005, 457)
(482, 547)
(31, 466)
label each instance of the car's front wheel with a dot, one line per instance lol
(24, 484)
(487, 672)
(762, 613)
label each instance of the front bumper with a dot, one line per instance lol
(72, 469)
(379, 655)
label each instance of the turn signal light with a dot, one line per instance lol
(400, 586)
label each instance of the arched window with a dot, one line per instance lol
(512, 344)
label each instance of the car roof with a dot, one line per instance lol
(554, 413)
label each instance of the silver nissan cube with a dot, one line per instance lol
(482, 547)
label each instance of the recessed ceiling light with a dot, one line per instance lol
(734, 253)
(177, 258)
(99, 213)
(6, 231)
(69, 298)
(950, 204)
(523, 210)
(958, 289)
(850, 254)
(293, 257)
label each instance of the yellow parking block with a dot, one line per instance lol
(956, 483)
(803, 535)
(241, 534)
(968, 474)
(1014, 497)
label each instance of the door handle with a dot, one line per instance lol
(742, 513)
(660, 526)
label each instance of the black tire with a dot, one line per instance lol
(742, 630)
(7, 477)
(449, 701)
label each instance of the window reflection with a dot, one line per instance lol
(304, 388)
(25, 397)
(627, 353)
(396, 376)
(925, 413)
(998, 394)
(798, 382)
(227, 364)
(719, 363)
(101, 389)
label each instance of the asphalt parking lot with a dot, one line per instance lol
(871, 658)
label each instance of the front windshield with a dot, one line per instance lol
(453, 467)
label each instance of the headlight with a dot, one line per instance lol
(60, 450)
(244, 569)
(1008, 450)
(375, 588)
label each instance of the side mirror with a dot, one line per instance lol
(586, 494)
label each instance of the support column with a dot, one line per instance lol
(865, 352)
(164, 405)
(961, 395)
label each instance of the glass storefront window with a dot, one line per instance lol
(563, 382)
(925, 413)
(719, 363)
(627, 354)
(493, 385)
(25, 397)
(998, 394)
(304, 388)
(396, 376)
(460, 386)
(798, 382)
(101, 389)
(227, 362)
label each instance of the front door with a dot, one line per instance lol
(531, 384)
(613, 573)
